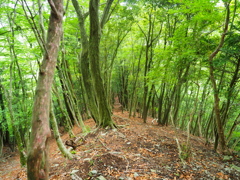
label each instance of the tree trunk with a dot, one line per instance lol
(149, 54)
(134, 89)
(220, 129)
(60, 144)
(230, 92)
(235, 124)
(160, 103)
(66, 119)
(103, 106)
(89, 61)
(148, 100)
(37, 162)
(69, 94)
(4, 119)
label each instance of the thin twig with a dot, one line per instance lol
(104, 145)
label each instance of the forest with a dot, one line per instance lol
(62, 62)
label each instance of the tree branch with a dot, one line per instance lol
(54, 10)
(225, 30)
(106, 13)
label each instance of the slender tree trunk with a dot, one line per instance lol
(160, 103)
(219, 125)
(202, 106)
(65, 94)
(149, 98)
(123, 76)
(230, 91)
(57, 136)
(4, 119)
(37, 162)
(134, 89)
(168, 106)
(9, 94)
(67, 121)
(108, 66)
(235, 124)
(69, 94)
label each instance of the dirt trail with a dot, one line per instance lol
(133, 151)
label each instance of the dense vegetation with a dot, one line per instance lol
(175, 60)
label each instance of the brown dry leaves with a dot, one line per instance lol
(135, 150)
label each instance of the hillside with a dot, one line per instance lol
(133, 151)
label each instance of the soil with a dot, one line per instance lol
(133, 151)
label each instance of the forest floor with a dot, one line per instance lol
(134, 151)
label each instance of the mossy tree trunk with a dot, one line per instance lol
(89, 62)
(37, 161)
(94, 40)
(84, 62)
(57, 136)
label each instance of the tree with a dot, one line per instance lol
(37, 161)
(220, 130)
(90, 61)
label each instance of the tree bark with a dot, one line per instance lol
(37, 161)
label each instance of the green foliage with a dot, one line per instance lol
(186, 152)
(73, 152)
